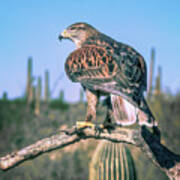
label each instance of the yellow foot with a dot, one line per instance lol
(81, 124)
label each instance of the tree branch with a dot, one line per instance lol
(143, 138)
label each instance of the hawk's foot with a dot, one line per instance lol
(108, 123)
(109, 126)
(82, 124)
(99, 128)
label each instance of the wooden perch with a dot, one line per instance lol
(142, 138)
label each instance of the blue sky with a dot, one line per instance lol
(31, 28)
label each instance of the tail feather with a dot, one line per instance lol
(145, 116)
(125, 113)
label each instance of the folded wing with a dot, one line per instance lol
(99, 69)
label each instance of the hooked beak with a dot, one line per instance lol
(60, 37)
(64, 35)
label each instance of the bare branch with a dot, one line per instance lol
(143, 138)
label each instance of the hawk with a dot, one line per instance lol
(105, 67)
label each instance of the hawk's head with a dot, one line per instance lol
(78, 33)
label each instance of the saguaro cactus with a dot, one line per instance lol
(151, 73)
(38, 96)
(29, 89)
(81, 96)
(34, 93)
(46, 91)
(61, 96)
(112, 161)
(158, 85)
(5, 96)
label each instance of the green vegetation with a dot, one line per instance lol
(57, 104)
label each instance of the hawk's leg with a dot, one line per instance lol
(108, 120)
(92, 102)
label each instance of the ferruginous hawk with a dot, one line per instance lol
(104, 66)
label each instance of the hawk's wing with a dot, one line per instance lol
(98, 69)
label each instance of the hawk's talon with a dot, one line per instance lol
(98, 129)
(109, 126)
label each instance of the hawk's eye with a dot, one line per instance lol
(82, 28)
(72, 28)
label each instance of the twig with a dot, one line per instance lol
(143, 138)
